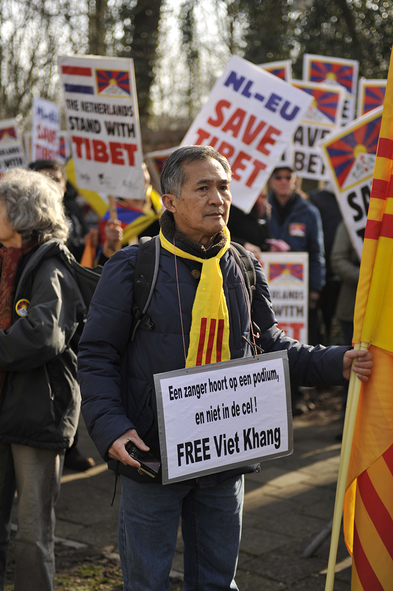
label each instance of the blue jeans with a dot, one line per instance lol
(211, 528)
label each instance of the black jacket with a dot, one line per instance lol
(248, 227)
(40, 402)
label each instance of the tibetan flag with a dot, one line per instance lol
(7, 133)
(326, 69)
(352, 147)
(325, 101)
(113, 83)
(281, 69)
(373, 97)
(368, 503)
(134, 221)
(279, 72)
(285, 271)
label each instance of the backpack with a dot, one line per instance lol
(86, 279)
(145, 277)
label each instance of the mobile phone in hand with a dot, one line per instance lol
(149, 464)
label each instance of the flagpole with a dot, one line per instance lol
(349, 427)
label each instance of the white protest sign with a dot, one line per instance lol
(287, 276)
(321, 118)
(349, 155)
(334, 71)
(102, 119)
(249, 118)
(217, 417)
(64, 146)
(371, 95)
(45, 130)
(11, 149)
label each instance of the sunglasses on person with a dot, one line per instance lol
(279, 177)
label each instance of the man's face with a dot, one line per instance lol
(202, 209)
(282, 183)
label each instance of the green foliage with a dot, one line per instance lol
(190, 49)
(269, 35)
(354, 29)
(31, 35)
(137, 25)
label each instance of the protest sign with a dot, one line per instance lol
(334, 71)
(287, 276)
(370, 96)
(11, 149)
(45, 130)
(349, 155)
(250, 118)
(321, 118)
(102, 119)
(64, 147)
(99, 202)
(221, 416)
(282, 69)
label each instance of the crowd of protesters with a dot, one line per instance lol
(41, 222)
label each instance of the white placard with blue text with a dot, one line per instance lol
(225, 415)
(45, 130)
(250, 118)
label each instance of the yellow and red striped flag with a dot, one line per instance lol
(368, 503)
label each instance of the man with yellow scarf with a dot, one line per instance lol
(201, 313)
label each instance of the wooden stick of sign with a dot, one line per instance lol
(113, 217)
(112, 208)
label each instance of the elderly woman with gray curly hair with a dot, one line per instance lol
(40, 310)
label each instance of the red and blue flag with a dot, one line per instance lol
(113, 82)
(323, 71)
(80, 81)
(293, 269)
(344, 151)
(373, 97)
(7, 132)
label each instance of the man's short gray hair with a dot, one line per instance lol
(173, 176)
(34, 205)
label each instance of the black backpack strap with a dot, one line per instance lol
(145, 277)
(250, 278)
(247, 266)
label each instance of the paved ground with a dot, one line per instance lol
(287, 505)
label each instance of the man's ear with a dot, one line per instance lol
(169, 202)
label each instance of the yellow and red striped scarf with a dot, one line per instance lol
(209, 333)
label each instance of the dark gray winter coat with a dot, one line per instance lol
(41, 399)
